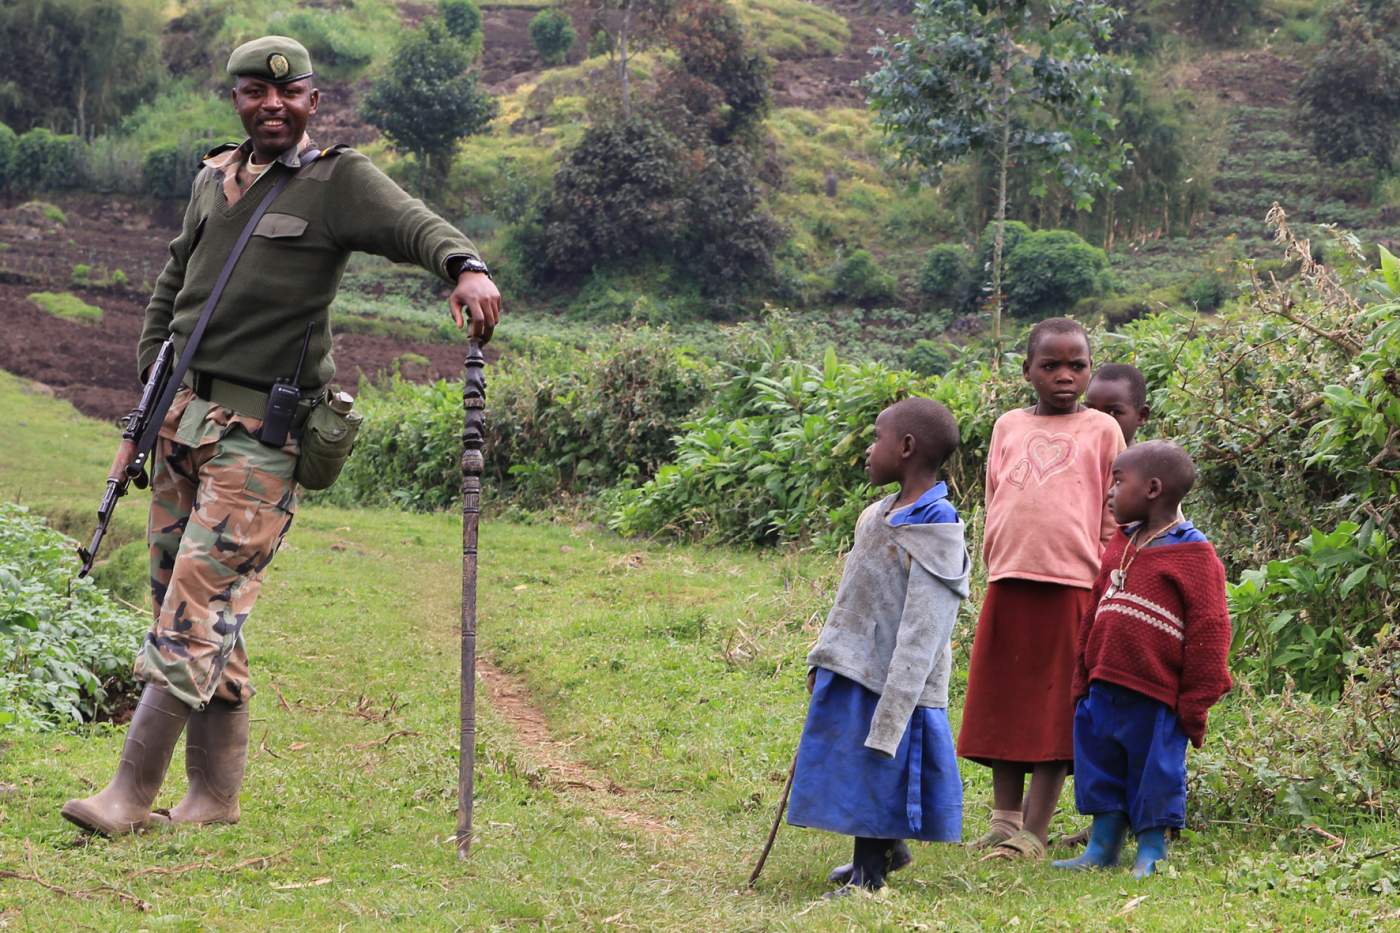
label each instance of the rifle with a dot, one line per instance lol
(142, 427)
(129, 465)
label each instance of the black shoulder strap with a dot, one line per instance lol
(177, 375)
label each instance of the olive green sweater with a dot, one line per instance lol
(291, 268)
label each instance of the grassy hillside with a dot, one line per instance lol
(638, 710)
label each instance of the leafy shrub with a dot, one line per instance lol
(559, 420)
(65, 648)
(1306, 617)
(45, 161)
(1208, 292)
(1218, 19)
(1049, 270)
(167, 171)
(600, 43)
(929, 357)
(945, 275)
(859, 279)
(1016, 231)
(1349, 98)
(462, 18)
(552, 34)
(9, 143)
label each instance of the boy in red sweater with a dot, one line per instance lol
(1152, 660)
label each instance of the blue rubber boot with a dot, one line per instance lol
(1105, 842)
(1152, 848)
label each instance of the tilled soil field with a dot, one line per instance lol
(94, 365)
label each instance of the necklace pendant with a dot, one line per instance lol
(1116, 578)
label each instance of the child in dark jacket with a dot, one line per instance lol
(876, 758)
(1152, 660)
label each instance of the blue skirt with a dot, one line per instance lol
(844, 787)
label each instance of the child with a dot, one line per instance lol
(1048, 472)
(1120, 391)
(1151, 661)
(876, 758)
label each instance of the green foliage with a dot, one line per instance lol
(794, 28)
(560, 421)
(9, 145)
(1349, 99)
(169, 170)
(1049, 270)
(65, 648)
(67, 306)
(339, 48)
(930, 357)
(859, 279)
(75, 64)
(721, 81)
(1306, 617)
(1208, 292)
(552, 34)
(947, 275)
(427, 99)
(45, 161)
(48, 211)
(463, 19)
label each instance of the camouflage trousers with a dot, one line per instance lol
(221, 503)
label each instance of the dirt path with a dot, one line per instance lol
(561, 771)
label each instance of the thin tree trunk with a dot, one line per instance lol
(622, 60)
(1004, 156)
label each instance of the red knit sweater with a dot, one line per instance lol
(1166, 634)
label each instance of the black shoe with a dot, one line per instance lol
(899, 857)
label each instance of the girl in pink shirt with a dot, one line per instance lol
(1048, 473)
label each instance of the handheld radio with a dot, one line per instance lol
(282, 401)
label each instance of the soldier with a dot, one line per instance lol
(222, 499)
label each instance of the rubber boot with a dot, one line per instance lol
(899, 858)
(124, 805)
(868, 873)
(1152, 848)
(216, 751)
(1105, 843)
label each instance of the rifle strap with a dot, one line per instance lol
(177, 375)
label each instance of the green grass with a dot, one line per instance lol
(794, 28)
(67, 306)
(674, 671)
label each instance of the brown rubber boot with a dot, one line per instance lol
(216, 750)
(124, 805)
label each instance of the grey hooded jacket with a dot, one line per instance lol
(894, 614)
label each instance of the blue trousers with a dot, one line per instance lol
(1129, 756)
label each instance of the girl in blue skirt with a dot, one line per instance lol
(876, 759)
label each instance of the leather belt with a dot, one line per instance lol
(246, 400)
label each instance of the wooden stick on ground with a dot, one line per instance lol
(777, 822)
(473, 465)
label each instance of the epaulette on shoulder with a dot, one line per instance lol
(222, 147)
(324, 166)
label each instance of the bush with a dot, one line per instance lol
(558, 421)
(168, 171)
(463, 19)
(65, 648)
(45, 161)
(1218, 19)
(552, 33)
(9, 143)
(930, 357)
(1349, 98)
(859, 279)
(1049, 270)
(1016, 231)
(1305, 618)
(339, 48)
(1208, 292)
(945, 275)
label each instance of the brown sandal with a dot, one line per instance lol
(992, 837)
(1020, 845)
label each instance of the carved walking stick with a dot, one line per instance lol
(777, 823)
(474, 414)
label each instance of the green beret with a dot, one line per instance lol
(272, 58)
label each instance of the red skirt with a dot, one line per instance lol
(1018, 706)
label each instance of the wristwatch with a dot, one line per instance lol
(468, 264)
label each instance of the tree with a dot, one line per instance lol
(1349, 99)
(552, 34)
(427, 99)
(1006, 79)
(462, 18)
(721, 79)
(84, 63)
(633, 24)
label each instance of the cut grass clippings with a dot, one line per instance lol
(673, 672)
